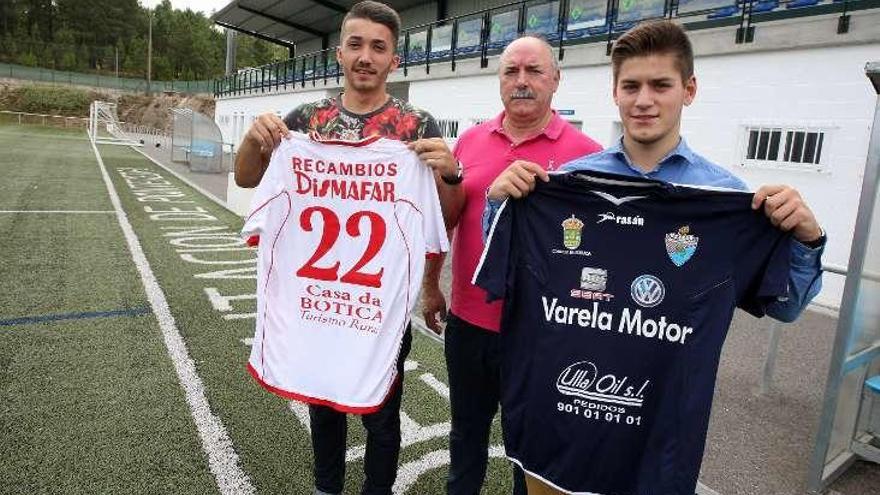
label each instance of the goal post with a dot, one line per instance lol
(104, 125)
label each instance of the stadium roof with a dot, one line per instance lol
(291, 21)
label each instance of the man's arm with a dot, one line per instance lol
(434, 153)
(433, 301)
(787, 211)
(804, 282)
(264, 135)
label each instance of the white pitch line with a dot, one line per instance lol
(58, 211)
(411, 433)
(239, 316)
(301, 411)
(705, 490)
(222, 458)
(409, 473)
(430, 380)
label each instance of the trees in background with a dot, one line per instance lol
(101, 35)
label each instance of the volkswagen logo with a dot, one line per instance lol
(647, 291)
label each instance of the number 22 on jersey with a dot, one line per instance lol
(329, 236)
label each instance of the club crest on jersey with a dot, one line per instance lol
(681, 245)
(647, 291)
(571, 232)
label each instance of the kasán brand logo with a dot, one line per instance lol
(620, 220)
(571, 232)
(582, 379)
(681, 245)
(647, 291)
(593, 283)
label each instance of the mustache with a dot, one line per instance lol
(364, 66)
(522, 94)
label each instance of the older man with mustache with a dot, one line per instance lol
(528, 130)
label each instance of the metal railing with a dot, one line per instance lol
(775, 329)
(483, 33)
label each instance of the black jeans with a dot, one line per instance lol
(473, 361)
(329, 429)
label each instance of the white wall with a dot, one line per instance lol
(235, 114)
(823, 86)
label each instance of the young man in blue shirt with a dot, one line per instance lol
(653, 80)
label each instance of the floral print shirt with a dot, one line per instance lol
(395, 119)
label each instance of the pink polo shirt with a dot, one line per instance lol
(484, 152)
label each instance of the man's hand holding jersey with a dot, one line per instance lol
(267, 131)
(786, 210)
(516, 181)
(436, 154)
(263, 136)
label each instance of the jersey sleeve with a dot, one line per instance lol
(436, 240)
(269, 189)
(493, 268)
(763, 260)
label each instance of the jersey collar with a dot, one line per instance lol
(681, 155)
(552, 131)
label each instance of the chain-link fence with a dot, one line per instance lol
(60, 77)
(196, 140)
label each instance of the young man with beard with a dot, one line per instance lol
(527, 129)
(654, 79)
(367, 55)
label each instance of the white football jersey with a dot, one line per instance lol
(344, 229)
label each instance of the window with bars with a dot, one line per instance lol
(448, 128)
(795, 147)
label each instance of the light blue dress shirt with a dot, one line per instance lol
(683, 166)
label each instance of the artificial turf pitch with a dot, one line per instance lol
(89, 398)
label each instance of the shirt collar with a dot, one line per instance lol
(552, 130)
(681, 150)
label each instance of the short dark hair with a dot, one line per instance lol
(655, 38)
(376, 12)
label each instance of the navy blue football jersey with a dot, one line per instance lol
(618, 295)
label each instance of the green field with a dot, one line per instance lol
(90, 401)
